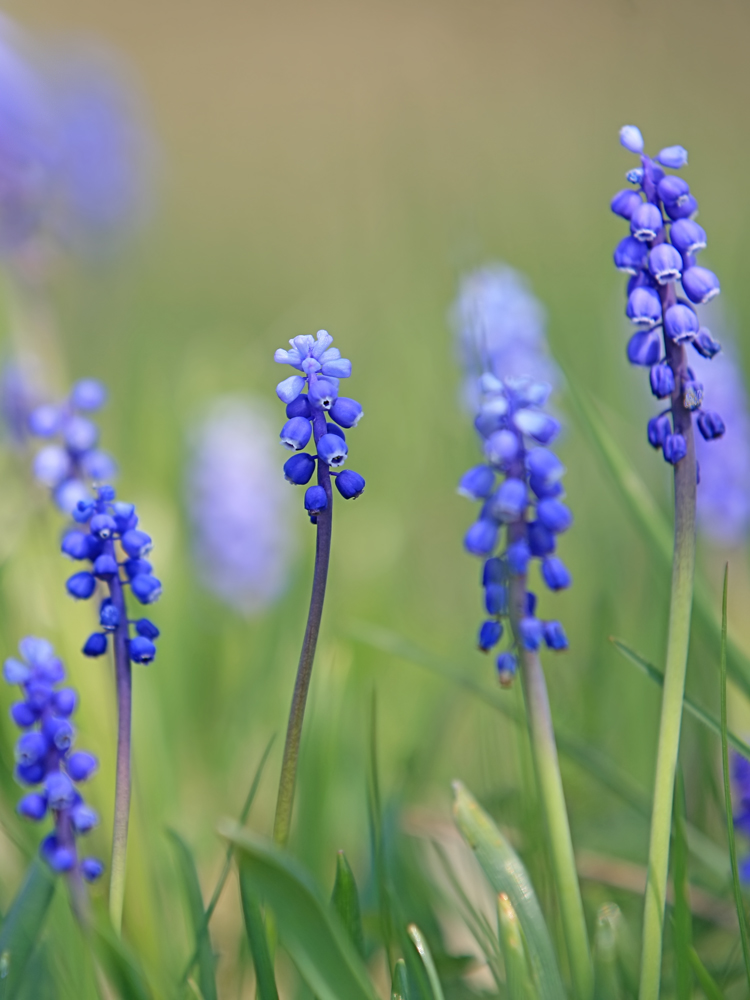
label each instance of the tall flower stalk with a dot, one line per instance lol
(660, 251)
(526, 506)
(322, 369)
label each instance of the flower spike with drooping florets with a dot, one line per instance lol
(520, 489)
(109, 539)
(659, 252)
(323, 368)
(45, 758)
(72, 458)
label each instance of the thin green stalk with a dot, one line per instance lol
(288, 778)
(552, 795)
(683, 572)
(739, 903)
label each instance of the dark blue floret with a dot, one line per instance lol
(490, 634)
(146, 589)
(299, 469)
(555, 573)
(316, 500)
(710, 425)
(81, 585)
(142, 650)
(554, 636)
(147, 629)
(350, 484)
(662, 380)
(95, 645)
(675, 448)
(44, 756)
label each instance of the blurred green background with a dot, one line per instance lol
(341, 165)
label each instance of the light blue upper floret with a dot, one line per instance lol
(323, 368)
(659, 253)
(45, 758)
(525, 502)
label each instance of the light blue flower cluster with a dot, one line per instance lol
(659, 252)
(110, 540)
(71, 459)
(500, 328)
(72, 147)
(323, 368)
(45, 758)
(239, 509)
(519, 486)
(740, 770)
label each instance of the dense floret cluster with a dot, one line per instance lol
(519, 486)
(108, 537)
(45, 758)
(322, 369)
(661, 251)
(71, 457)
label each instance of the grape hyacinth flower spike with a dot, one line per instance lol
(521, 516)
(47, 762)
(316, 413)
(665, 284)
(71, 458)
(106, 536)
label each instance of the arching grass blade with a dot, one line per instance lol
(517, 972)
(257, 937)
(345, 901)
(189, 874)
(606, 974)
(423, 950)
(22, 926)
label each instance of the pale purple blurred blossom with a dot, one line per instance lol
(500, 326)
(239, 508)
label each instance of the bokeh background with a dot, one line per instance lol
(341, 165)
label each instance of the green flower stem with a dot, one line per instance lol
(288, 779)
(683, 569)
(551, 792)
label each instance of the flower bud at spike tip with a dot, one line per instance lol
(631, 138)
(673, 157)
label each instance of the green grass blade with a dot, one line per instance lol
(506, 873)
(257, 937)
(682, 930)
(375, 819)
(708, 720)
(654, 525)
(22, 926)
(345, 901)
(189, 875)
(121, 967)
(400, 986)
(727, 787)
(518, 979)
(216, 894)
(308, 927)
(606, 975)
(707, 983)
(423, 950)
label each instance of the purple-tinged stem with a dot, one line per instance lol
(288, 778)
(681, 601)
(124, 688)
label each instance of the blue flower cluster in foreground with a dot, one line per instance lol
(519, 487)
(661, 251)
(45, 758)
(71, 458)
(323, 368)
(109, 539)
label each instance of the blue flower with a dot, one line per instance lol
(71, 461)
(659, 210)
(323, 368)
(240, 512)
(500, 329)
(44, 756)
(519, 487)
(107, 534)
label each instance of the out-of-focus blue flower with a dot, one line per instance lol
(103, 150)
(27, 155)
(501, 328)
(239, 509)
(18, 397)
(45, 759)
(724, 464)
(70, 460)
(521, 513)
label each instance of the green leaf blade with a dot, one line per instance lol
(308, 927)
(191, 883)
(506, 873)
(22, 927)
(258, 940)
(345, 901)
